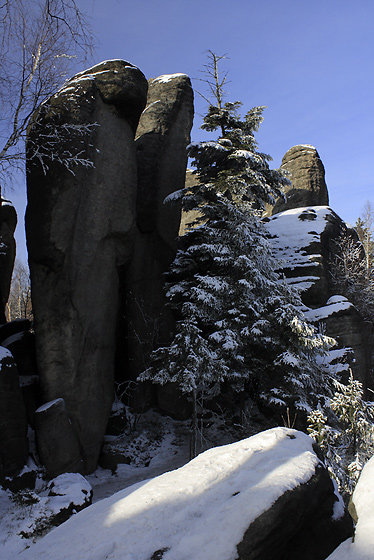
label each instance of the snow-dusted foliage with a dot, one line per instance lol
(352, 274)
(237, 319)
(346, 435)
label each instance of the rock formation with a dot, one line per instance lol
(307, 176)
(79, 226)
(8, 222)
(265, 497)
(57, 440)
(162, 137)
(13, 421)
(304, 240)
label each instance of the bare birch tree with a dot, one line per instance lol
(41, 41)
(19, 301)
(365, 230)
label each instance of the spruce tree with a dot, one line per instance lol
(248, 327)
(345, 433)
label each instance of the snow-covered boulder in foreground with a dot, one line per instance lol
(268, 496)
(361, 546)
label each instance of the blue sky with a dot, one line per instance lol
(310, 63)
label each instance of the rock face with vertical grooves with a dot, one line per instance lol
(307, 176)
(161, 141)
(80, 221)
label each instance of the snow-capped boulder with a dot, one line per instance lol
(64, 496)
(361, 546)
(74, 493)
(13, 421)
(80, 217)
(307, 176)
(162, 137)
(268, 496)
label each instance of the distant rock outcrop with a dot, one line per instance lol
(304, 241)
(79, 228)
(307, 176)
(162, 137)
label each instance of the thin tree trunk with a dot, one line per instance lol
(193, 448)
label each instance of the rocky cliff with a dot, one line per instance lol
(305, 236)
(100, 239)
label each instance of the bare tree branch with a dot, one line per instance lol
(41, 42)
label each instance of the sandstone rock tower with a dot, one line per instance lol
(79, 229)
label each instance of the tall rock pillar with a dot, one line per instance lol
(161, 141)
(80, 217)
(307, 176)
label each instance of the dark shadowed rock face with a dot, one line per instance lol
(57, 441)
(161, 141)
(307, 175)
(8, 222)
(13, 420)
(79, 227)
(298, 525)
(162, 137)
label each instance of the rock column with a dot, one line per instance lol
(81, 188)
(161, 141)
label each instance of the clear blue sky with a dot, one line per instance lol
(309, 62)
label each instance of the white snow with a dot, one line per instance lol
(362, 547)
(48, 405)
(4, 353)
(199, 511)
(168, 77)
(151, 105)
(333, 305)
(72, 487)
(291, 235)
(5, 202)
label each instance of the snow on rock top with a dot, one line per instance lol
(307, 146)
(293, 231)
(168, 77)
(72, 486)
(4, 353)
(334, 304)
(48, 405)
(199, 511)
(363, 497)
